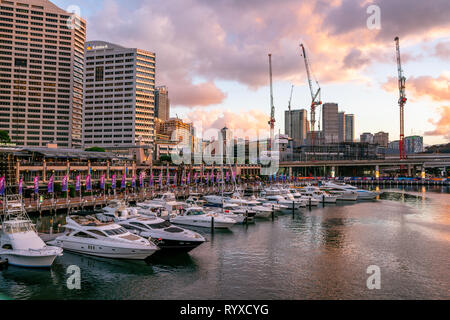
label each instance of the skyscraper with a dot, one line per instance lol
(299, 125)
(381, 138)
(162, 103)
(341, 119)
(366, 137)
(349, 128)
(119, 89)
(330, 122)
(41, 73)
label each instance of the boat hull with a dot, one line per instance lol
(106, 251)
(29, 261)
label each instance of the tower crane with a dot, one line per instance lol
(315, 96)
(290, 114)
(402, 99)
(272, 108)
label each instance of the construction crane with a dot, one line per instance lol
(402, 100)
(290, 114)
(315, 96)
(272, 108)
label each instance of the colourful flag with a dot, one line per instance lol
(122, 184)
(207, 177)
(195, 177)
(36, 184)
(141, 179)
(212, 176)
(189, 178)
(113, 181)
(2, 185)
(102, 182)
(20, 185)
(227, 176)
(217, 177)
(88, 183)
(168, 177)
(64, 183)
(133, 181)
(50, 185)
(78, 183)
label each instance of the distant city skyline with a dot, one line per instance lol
(220, 75)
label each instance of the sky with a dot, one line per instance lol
(213, 56)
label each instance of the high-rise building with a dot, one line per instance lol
(119, 95)
(366, 137)
(299, 125)
(349, 128)
(413, 144)
(341, 120)
(41, 73)
(330, 120)
(177, 130)
(381, 138)
(162, 103)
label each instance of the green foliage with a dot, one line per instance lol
(4, 136)
(165, 158)
(95, 149)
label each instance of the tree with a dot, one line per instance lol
(95, 149)
(165, 158)
(4, 136)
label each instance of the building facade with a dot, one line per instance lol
(330, 120)
(341, 121)
(366, 137)
(162, 103)
(119, 102)
(381, 138)
(41, 73)
(413, 144)
(349, 128)
(298, 120)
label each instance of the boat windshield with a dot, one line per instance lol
(17, 227)
(117, 231)
(161, 225)
(195, 212)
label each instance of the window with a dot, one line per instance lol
(82, 235)
(99, 73)
(97, 232)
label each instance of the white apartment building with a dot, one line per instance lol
(119, 95)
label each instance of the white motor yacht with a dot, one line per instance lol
(198, 217)
(347, 192)
(320, 195)
(20, 243)
(87, 235)
(161, 232)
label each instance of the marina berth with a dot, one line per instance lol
(161, 232)
(20, 244)
(88, 235)
(198, 217)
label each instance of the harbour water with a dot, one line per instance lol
(318, 253)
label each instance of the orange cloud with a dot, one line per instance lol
(242, 124)
(434, 88)
(442, 125)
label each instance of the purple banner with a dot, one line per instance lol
(64, 183)
(78, 183)
(113, 181)
(36, 184)
(20, 185)
(102, 182)
(88, 182)
(2, 185)
(123, 182)
(50, 185)
(133, 181)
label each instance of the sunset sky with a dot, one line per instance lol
(212, 54)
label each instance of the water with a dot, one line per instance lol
(319, 254)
